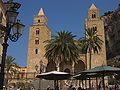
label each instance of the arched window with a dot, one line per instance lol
(94, 27)
(37, 31)
(36, 41)
(39, 21)
(36, 51)
(93, 15)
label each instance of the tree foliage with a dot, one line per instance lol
(91, 42)
(62, 47)
(11, 68)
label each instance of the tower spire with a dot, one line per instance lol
(92, 7)
(40, 18)
(41, 12)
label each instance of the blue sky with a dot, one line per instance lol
(66, 15)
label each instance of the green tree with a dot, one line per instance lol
(91, 42)
(114, 62)
(10, 68)
(62, 47)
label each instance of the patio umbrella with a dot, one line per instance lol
(101, 71)
(85, 76)
(54, 75)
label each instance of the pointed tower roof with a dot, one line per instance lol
(92, 7)
(41, 12)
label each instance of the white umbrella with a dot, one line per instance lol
(54, 75)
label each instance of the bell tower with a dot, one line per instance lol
(94, 21)
(38, 33)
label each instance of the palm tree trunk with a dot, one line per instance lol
(86, 61)
(90, 57)
(58, 68)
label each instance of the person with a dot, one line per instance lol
(57, 88)
(65, 87)
(110, 88)
(48, 88)
(70, 87)
(92, 88)
(99, 86)
(32, 88)
(79, 88)
(73, 88)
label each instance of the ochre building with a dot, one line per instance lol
(39, 32)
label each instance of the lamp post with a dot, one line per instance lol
(12, 31)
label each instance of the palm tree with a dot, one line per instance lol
(11, 67)
(62, 47)
(91, 42)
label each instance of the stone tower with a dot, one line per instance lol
(94, 21)
(38, 33)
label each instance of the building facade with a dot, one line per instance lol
(2, 23)
(39, 32)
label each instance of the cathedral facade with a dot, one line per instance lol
(39, 32)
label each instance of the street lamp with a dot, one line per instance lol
(12, 30)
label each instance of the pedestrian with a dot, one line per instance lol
(48, 88)
(65, 87)
(73, 88)
(70, 87)
(99, 86)
(110, 88)
(79, 88)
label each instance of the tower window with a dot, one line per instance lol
(93, 15)
(36, 51)
(36, 41)
(39, 20)
(37, 32)
(95, 28)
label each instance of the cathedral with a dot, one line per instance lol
(39, 32)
